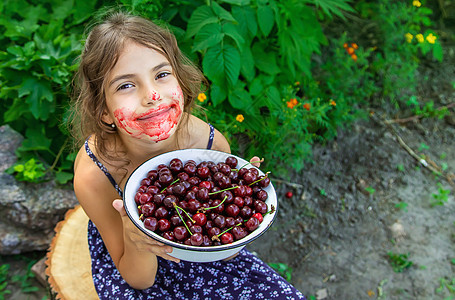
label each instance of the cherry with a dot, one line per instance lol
(164, 225)
(165, 179)
(152, 174)
(203, 172)
(183, 176)
(230, 221)
(239, 232)
(190, 168)
(252, 224)
(197, 239)
(144, 198)
(232, 210)
(193, 205)
(239, 202)
(220, 221)
(180, 233)
(158, 199)
(231, 161)
(214, 231)
(200, 219)
(288, 194)
(148, 209)
(196, 229)
(169, 235)
(151, 223)
(226, 238)
(146, 181)
(161, 212)
(262, 195)
(205, 184)
(260, 206)
(176, 165)
(169, 201)
(176, 220)
(258, 216)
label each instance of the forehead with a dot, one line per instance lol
(135, 57)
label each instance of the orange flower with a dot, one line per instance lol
(333, 103)
(240, 118)
(354, 57)
(345, 45)
(350, 50)
(291, 103)
(307, 106)
(355, 46)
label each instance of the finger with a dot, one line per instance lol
(118, 205)
(163, 252)
(256, 161)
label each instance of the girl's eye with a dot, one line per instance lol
(125, 86)
(162, 75)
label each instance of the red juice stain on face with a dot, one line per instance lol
(157, 123)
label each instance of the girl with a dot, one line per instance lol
(136, 91)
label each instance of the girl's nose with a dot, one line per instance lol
(152, 96)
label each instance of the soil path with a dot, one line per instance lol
(363, 197)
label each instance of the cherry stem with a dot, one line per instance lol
(207, 208)
(251, 162)
(218, 235)
(178, 207)
(184, 223)
(231, 188)
(266, 175)
(170, 184)
(271, 211)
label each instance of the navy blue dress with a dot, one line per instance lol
(243, 277)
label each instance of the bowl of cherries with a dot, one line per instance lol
(206, 204)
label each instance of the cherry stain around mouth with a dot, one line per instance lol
(156, 123)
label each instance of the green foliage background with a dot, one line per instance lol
(257, 54)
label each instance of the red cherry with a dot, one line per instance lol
(258, 216)
(289, 194)
(226, 238)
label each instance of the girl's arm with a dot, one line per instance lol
(133, 253)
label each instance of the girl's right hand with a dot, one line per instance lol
(138, 238)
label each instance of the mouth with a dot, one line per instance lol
(155, 113)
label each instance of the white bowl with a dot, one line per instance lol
(186, 252)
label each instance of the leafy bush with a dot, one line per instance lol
(283, 74)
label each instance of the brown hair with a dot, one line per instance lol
(103, 47)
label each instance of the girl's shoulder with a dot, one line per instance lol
(199, 136)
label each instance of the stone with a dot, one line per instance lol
(28, 211)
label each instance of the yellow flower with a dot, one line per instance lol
(416, 3)
(419, 38)
(201, 97)
(333, 103)
(408, 37)
(240, 118)
(431, 38)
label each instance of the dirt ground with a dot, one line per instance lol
(364, 197)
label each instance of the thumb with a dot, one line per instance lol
(256, 161)
(118, 205)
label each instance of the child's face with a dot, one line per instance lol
(143, 96)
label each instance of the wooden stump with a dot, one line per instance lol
(68, 259)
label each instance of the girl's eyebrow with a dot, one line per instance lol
(126, 76)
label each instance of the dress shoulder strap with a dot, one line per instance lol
(212, 134)
(103, 168)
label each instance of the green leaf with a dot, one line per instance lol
(63, 177)
(231, 30)
(217, 94)
(247, 67)
(266, 19)
(273, 99)
(237, 2)
(16, 110)
(208, 36)
(62, 10)
(240, 98)
(256, 87)
(35, 139)
(221, 12)
(38, 90)
(333, 7)
(265, 62)
(222, 61)
(202, 16)
(437, 52)
(246, 18)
